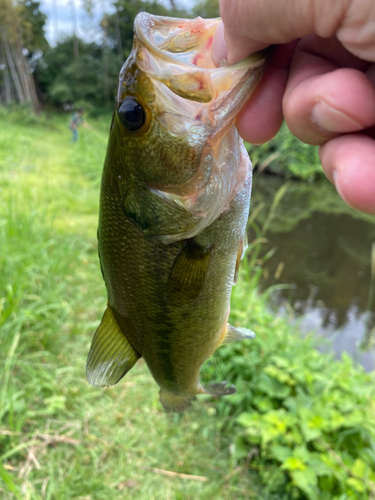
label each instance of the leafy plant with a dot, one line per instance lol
(285, 155)
(302, 420)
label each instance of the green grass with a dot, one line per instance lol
(59, 437)
(62, 439)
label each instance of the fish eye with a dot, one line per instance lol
(131, 114)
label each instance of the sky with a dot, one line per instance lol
(60, 18)
(86, 26)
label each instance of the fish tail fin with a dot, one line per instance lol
(174, 402)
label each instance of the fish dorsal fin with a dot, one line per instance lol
(188, 272)
(234, 334)
(111, 356)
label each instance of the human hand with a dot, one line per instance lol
(321, 79)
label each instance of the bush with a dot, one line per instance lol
(287, 156)
(304, 421)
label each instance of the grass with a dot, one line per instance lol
(300, 427)
(59, 437)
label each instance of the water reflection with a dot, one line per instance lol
(323, 250)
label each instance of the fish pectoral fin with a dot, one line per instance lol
(234, 334)
(174, 402)
(220, 389)
(188, 272)
(111, 356)
(155, 214)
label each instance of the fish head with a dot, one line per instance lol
(173, 124)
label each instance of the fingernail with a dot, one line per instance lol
(219, 52)
(335, 178)
(333, 120)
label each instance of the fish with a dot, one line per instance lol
(174, 203)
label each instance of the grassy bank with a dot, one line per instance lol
(62, 439)
(59, 437)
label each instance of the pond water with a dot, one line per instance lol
(322, 251)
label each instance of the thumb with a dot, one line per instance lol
(250, 25)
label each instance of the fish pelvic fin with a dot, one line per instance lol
(111, 355)
(175, 403)
(233, 334)
(220, 389)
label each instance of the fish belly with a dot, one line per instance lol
(175, 334)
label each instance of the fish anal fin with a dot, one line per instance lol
(220, 389)
(188, 272)
(174, 402)
(233, 334)
(111, 355)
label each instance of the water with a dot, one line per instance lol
(323, 252)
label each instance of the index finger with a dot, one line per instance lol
(250, 24)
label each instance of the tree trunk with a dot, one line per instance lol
(22, 67)
(18, 81)
(7, 84)
(13, 70)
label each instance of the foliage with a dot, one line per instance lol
(207, 9)
(33, 22)
(301, 425)
(302, 200)
(304, 421)
(63, 79)
(121, 23)
(287, 156)
(59, 437)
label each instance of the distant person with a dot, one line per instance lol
(76, 120)
(321, 79)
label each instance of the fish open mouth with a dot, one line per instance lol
(177, 52)
(192, 99)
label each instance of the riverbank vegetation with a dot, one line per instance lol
(301, 425)
(287, 157)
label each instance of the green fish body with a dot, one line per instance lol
(174, 204)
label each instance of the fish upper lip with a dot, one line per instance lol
(145, 22)
(168, 53)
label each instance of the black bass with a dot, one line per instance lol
(174, 203)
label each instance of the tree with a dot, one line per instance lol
(207, 9)
(62, 79)
(32, 24)
(120, 25)
(16, 80)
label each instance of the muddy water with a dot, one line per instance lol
(323, 253)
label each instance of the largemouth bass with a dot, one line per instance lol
(175, 197)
